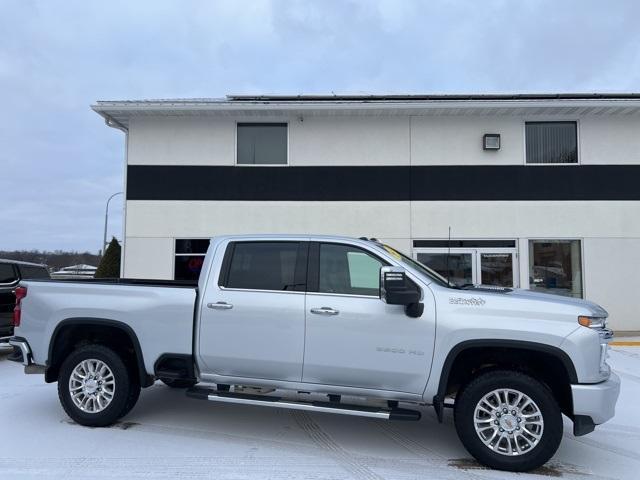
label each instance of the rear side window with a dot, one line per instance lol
(28, 272)
(263, 266)
(7, 275)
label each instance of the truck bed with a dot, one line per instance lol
(159, 312)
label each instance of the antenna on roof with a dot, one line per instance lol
(448, 255)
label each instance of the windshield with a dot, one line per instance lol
(410, 262)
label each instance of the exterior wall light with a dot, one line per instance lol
(491, 141)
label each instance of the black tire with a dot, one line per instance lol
(124, 395)
(134, 394)
(178, 382)
(464, 411)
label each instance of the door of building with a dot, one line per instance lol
(478, 266)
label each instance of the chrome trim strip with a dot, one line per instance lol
(298, 406)
(24, 347)
(257, 290)
(324, 294)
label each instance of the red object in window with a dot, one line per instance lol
(20, 293)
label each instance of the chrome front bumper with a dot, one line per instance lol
(597, 400)
(23, 345)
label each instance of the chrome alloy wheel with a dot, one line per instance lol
(92, 385)
(508, 422)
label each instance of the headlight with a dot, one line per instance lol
(592, 322)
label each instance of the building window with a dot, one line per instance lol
(348, 270)
(189, 257)
(555, 266)
(263, 266)
(551, 142)
(262, 144)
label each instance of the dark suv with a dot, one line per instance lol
(11, 272)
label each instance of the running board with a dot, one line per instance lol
(324, 407)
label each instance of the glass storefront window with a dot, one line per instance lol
(189, 257)
(555, 266)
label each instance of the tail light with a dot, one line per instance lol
(20, 293)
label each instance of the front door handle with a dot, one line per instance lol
(325, 311)
(220, 305)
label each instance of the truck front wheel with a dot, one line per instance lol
(508, 420)
(95, 388)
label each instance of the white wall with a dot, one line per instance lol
(610, 139)
(612, 267)
(148, 257)
(370, 140)
(349, 141)
(457, 140)
(181, 141)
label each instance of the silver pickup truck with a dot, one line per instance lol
(328, 324)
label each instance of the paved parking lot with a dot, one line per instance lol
(168, 436)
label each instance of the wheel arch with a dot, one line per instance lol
(494, 351)
(71, 331)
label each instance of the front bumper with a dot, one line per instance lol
(595, 402)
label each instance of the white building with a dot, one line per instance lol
(538, 191)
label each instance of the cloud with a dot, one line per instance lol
(59, 163)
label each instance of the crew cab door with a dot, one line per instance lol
(252, 314)
(353, 338)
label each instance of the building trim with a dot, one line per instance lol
(383, 183)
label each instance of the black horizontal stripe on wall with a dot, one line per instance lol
(384, 183)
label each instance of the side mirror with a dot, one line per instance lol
(397, 289)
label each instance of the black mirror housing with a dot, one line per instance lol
(396, 288)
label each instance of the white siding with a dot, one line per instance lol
(613, 140)
(450, 140)
(181, 141)
(349, 141)
(148, 258)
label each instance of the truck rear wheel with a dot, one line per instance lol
(508, 420)
(95, 388)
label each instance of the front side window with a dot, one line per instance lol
(263, 266)
(7, 275)
(262, 144)
(551, 142)
(190, 254)
(555, 266)
(348, 270)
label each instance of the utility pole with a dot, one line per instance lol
(106, 218)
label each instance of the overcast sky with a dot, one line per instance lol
(59, 162)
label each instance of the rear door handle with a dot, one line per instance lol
(325, 311)
(220, 305)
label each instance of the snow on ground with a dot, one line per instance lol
(170, 436)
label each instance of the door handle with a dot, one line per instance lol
(220, 305)
(325, 311)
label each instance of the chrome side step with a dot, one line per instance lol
(324, 407)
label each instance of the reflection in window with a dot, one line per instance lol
(263, 266)
(189, 258)
(555, 266)
(348, 270)
(455, 267)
